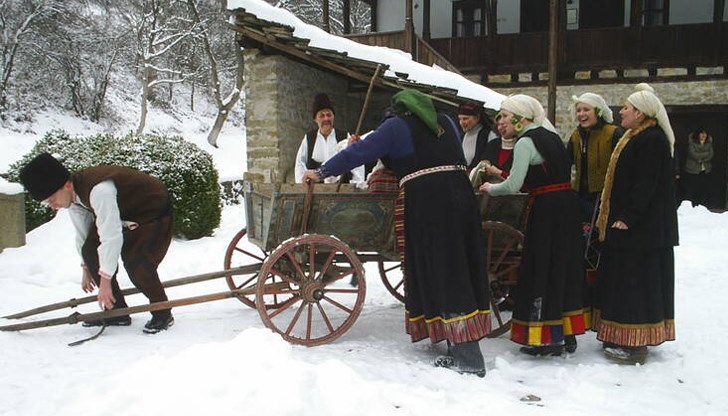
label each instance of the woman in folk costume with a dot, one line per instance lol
(590, 147)
(548, 311)
(638, 224)
(446, 282)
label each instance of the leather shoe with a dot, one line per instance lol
(124, 320)
(627, 355)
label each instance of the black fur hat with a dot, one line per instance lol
(321, 101)
(43, 176)
(470, 108)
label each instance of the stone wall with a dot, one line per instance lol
(707, 92)
(278, 97)
(12, 219)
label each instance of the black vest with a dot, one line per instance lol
(311, 142)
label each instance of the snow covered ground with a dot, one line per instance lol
(219, 359)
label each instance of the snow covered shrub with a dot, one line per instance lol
(186, 169)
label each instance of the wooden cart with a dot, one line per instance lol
(299, 260)
(323, 271)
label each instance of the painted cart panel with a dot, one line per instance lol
(363, 220)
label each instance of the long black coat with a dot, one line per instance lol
(643, 194)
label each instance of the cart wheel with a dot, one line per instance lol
(240, 252)
(503, 245)
(312, 272)
(392, 276)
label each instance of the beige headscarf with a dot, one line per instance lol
(647, 102)
(528, 107)
(594, 101)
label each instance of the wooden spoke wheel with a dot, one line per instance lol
(310, 277)
(240, 252)
(392, 274)
(503, 246)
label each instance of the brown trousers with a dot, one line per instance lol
(143, 249)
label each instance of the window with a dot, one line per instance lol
(655, 12)
(468, 18)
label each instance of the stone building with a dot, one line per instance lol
(287, 62)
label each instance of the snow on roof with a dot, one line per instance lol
(401, 65)
(10, 188)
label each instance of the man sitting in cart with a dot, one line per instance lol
(318, 145)
(115, 211)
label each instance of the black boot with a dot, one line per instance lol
(570, 343)
(464, 358)
(158, 323)
(543, 350)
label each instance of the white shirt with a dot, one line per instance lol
(108, 222)
(470, 140)
(324, 148)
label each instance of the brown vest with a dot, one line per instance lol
(598, 153)
(141, 197)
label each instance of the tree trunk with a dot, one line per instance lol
(144, 104)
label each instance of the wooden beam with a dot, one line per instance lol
(301, 54)
(326, 17)
(409, 30)
(346, 10)
(553, 58)
(426, 20)
(718, 7)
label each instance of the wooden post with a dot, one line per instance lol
(426, 20)
(491, 17)
(346, 11)
(409, 30)
(718, 8)
(373, 16)
(325, 10)
(553, 58)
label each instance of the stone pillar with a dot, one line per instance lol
(12, 215)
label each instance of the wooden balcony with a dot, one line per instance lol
(618, 49)
(684, 46)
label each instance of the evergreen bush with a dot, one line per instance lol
(186, 170)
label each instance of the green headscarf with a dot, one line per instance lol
(418, 104)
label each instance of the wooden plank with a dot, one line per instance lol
(72, 303)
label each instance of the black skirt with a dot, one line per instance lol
(635, 303)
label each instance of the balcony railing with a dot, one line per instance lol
(591, 49)
(617, 48)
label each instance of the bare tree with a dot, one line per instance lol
(160, 29)
(311, 11)
(224, 105)
(19, 20)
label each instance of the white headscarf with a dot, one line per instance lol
(647, 102)
(596, 102)
(528, 107)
